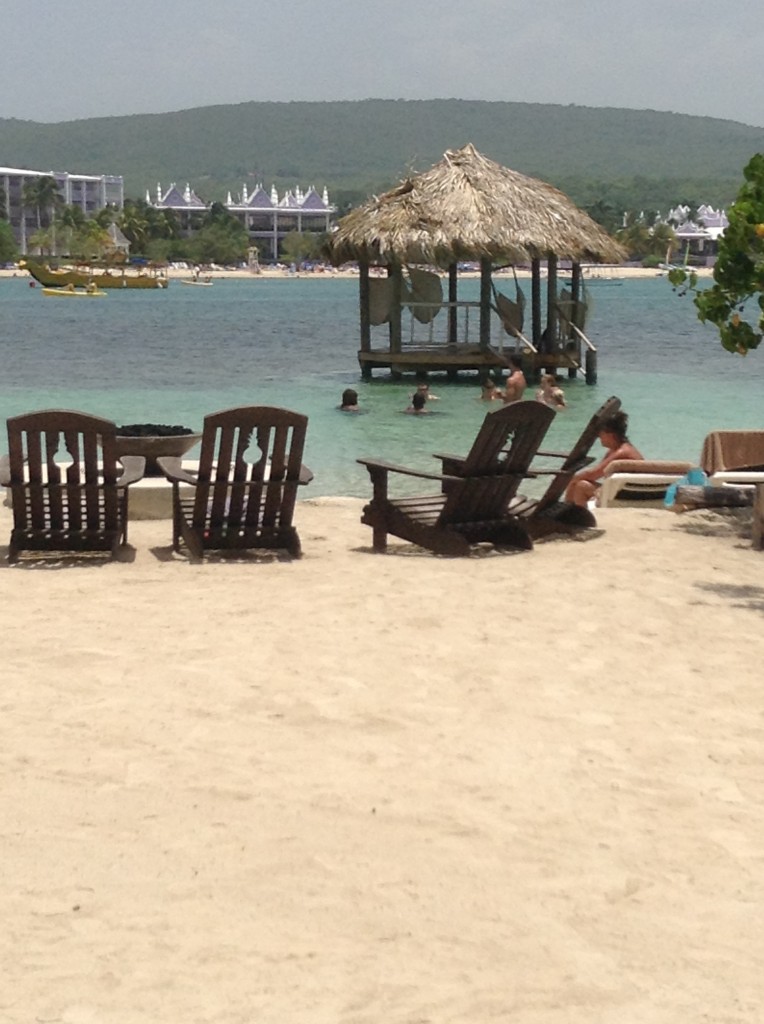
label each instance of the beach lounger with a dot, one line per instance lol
(68, 487)
(639, 482)
(727, 456)
(250, 467)
(472, 505)
(732, 450)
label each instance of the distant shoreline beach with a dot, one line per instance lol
(598, 273)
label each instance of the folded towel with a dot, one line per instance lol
(732, 449)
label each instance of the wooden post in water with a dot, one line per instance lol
(576, 295)
(575, 282)
(485, 303)
(453, 324)
(590, 363)
(363, 269)
(551, 302)
(536, 301)
(396, 332)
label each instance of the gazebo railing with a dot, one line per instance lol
(463, 336)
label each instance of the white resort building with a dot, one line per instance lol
(91, 192)
(698, 236)
(266, 217)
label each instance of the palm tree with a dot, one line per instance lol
(134, 224)
(664, 241)
(42, 193)
(43, 196)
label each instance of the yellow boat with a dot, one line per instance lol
(112, 277)
(70, 292)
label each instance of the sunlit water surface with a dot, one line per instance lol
(171, 357)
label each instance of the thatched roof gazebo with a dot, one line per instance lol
(466, 208)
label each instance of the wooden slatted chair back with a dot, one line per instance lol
(249, 471)
(576, 457)
(63, 467)
(497, 462)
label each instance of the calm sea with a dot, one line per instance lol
(171, 357)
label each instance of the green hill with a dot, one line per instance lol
(355, 148)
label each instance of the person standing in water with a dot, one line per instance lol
(349, 401)
(549, 393)
(516, 382)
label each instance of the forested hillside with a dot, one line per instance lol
(631, 159)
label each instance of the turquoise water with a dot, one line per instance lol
(171, 357)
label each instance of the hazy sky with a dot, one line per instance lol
(91, 58)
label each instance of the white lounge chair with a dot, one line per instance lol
(642, 482)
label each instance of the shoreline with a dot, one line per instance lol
(607, 273)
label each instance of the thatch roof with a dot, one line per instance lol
(468, 207)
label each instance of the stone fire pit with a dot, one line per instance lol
(154, 440)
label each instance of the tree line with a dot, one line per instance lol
(160, 236)
(216, 236)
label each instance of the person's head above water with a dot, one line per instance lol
(349, 399)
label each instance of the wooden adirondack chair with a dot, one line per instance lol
(472, 505)
(550, 513)
(245, 490)
(76, 504)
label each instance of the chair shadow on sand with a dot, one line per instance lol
(46, 561)
(740, 595)
(240, 556)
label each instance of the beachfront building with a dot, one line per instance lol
(698, 236)
(267, 218)
(91, 192)
(185, 204)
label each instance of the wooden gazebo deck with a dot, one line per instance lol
(468, 208)
(451, 359)
(465, 358)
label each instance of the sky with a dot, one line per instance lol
(99, 58)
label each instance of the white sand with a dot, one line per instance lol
(371, 789)
(268, 273)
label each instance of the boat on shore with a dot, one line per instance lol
(69, 291)
(81, 276)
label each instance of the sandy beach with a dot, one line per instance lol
(268, 273)
(399, 788)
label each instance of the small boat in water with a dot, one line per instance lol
(69, 291)
(200, 282)
(117, 276)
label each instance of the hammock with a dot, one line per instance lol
(511, 314)
(424, 286)
(572, 313)
(380, 297)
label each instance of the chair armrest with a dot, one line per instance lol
(172, 467)
(5, 471)
(584, 460)
(306, 475)
(553, 455)
(450, 458)
(133, 468)
(390, 467)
